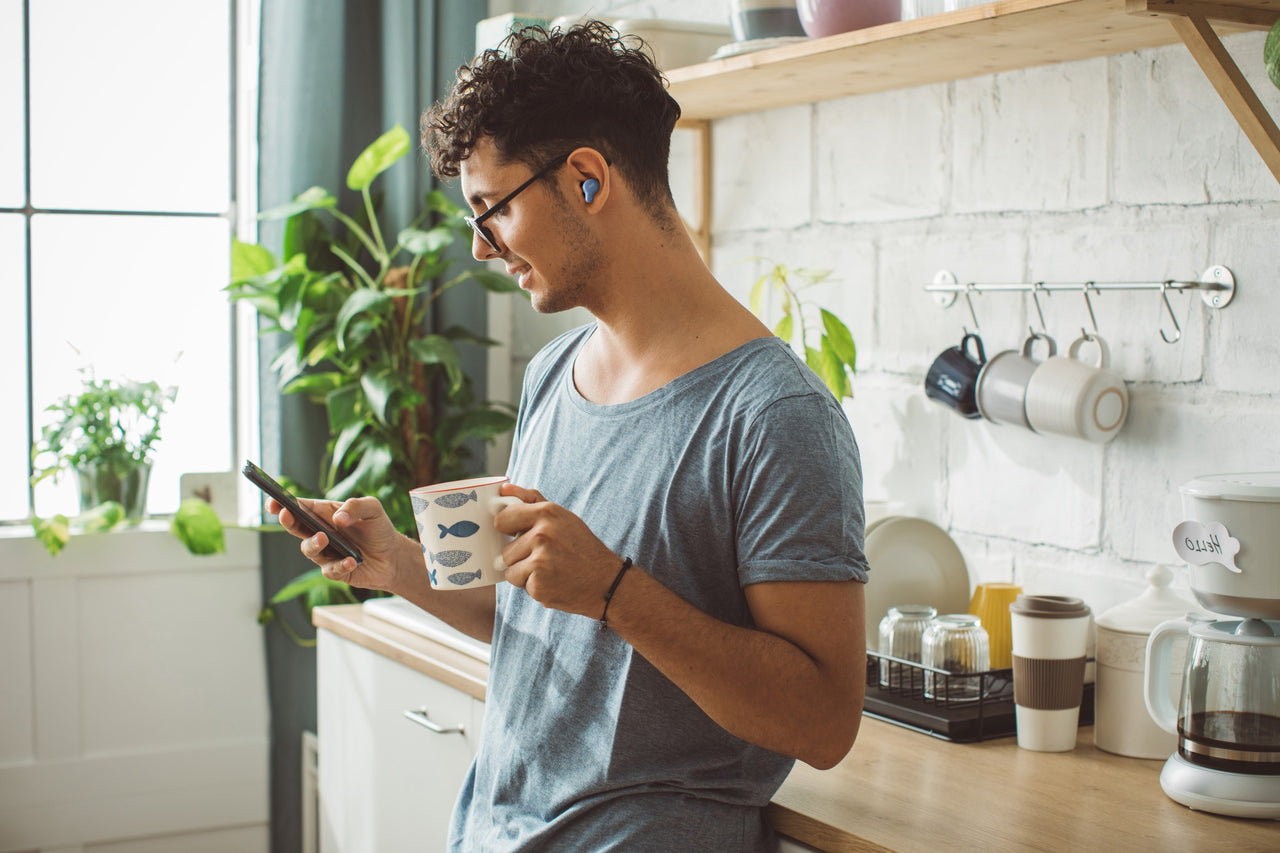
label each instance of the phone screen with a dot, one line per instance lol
(338, 547)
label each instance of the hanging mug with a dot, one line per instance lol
(1002, 385)
(953, 377)
(1069, 396)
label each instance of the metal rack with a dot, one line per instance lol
(902, 699)
(1216, 286)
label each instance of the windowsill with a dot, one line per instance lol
(148, 547)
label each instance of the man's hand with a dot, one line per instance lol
(365, 523)
(555, 557)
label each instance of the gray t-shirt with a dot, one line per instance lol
(741, 471)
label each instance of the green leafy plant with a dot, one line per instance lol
(360, 315)
(106, 433)
(110, 425)
(824, 340)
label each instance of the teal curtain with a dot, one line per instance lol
(335, 74)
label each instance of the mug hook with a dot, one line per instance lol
(1089, 304)
(1177, 330)
(1035, 296)
(968, 291)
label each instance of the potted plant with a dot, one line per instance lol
(823, 340)
(363, 338)
(105, 434)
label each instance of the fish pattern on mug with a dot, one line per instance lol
(431, 573)
(462, 529)
(456, 499)
(464, 578)
(420, 505)
(451, 559)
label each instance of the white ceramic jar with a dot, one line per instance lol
(1121, 722)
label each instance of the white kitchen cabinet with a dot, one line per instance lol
(386, 783)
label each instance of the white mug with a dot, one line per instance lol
(460, 545)
(1067, 396)
(1002, 384)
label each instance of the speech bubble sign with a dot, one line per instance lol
(1200, 542)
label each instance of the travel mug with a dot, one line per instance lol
(1050, 636)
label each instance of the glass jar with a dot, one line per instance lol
(901, 631)
(957, 644)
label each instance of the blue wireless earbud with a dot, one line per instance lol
(589, 189)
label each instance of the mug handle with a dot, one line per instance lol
(1104, 352)
(496, 505)
(964, 346)
(1039, 336)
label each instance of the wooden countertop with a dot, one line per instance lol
(899, 790)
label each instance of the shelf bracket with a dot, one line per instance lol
(1191, 22)
(701, 230)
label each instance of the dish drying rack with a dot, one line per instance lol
(903, 701)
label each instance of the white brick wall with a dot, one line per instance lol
(1113, 169)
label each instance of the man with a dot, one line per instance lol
(684, 613)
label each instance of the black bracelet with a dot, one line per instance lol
(604, 620)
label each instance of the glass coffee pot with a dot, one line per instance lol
(1228, 718)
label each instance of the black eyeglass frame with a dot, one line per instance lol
(477, 222)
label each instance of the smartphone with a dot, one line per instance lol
(338, 547)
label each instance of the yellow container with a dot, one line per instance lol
(990, 603)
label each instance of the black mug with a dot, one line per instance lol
(953, 377)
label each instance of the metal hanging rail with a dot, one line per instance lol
(1216, 287)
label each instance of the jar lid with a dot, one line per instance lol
(1260, 486)
(1156, 604)
(1049, 606)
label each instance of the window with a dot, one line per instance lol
(117, 166)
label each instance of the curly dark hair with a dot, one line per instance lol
(541, 94)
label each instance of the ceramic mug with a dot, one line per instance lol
(460, 545)
(759, 19)
(1002, 385)
(953, 377)
(1067, 396)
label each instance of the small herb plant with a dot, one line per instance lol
(109, 425)
(824, 340)
(108, 432)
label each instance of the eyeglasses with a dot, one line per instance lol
(477, 222)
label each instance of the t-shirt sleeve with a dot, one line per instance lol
(798, 495)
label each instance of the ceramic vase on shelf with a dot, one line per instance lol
(763, 19)
(827, 17)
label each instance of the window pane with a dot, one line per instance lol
(136, 297)
(12, 145)
(14, 447)
(130, 105)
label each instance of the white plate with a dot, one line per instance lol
(734, 48)
(913, 561)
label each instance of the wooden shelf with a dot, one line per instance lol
(968, 42)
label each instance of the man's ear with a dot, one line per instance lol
(593, 177)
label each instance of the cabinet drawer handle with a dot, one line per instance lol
(420, 717)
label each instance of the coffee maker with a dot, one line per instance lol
(1228, 719)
